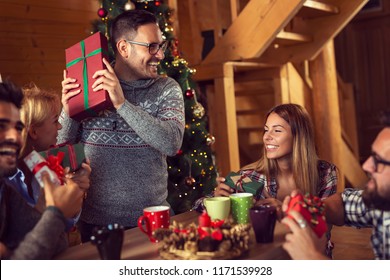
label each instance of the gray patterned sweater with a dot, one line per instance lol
(128, 149)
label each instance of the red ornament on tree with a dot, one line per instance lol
(190, 93)
(189, 181)
(102, 12)
(179, 152)
(157, 3)
(175, 48)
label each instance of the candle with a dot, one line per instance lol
(204, 220)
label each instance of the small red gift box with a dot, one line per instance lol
(82, 61)
(312, 209)
(37, 164)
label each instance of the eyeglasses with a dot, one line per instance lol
(379, 164)
(153, 47)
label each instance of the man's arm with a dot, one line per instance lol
(45, 240)
(30, 235)
(69, 131)
(334, 209)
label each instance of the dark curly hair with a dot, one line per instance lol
(10, 93)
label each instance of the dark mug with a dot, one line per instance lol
(263, 218)
(109, 241)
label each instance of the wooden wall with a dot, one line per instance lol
(34, 35)
(363, 59)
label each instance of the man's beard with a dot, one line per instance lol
(7, 172)
(373, 200)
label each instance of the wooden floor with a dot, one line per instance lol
(351, 243)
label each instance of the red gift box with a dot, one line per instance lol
(312, 210)
(82, 61)
(37, 164)
(73, 155)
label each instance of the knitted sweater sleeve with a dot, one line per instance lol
(45, 240)
(164, 132)
(69, 131)
(29, 234)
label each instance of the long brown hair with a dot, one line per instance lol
(304, 155)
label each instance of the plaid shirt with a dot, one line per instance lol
(358, 215)
(327, 186)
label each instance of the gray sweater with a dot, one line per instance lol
(128, 149)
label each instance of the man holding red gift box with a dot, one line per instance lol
(128, 144)
(358, 208)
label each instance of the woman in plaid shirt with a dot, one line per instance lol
(358, 208)
(289, 161)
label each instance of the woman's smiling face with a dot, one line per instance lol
(278, 138)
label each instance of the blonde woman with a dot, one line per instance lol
(39, 113)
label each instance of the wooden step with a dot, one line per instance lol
(285, 38)
(254, 137)
(249, 128)
(254, 88)
(319, 20)
(258, 84)
(313, 9)
(259, 103)
(245, 121)
(253, 30)
(248, 112)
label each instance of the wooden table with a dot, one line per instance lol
(136, 245)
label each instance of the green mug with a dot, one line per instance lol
(240, 204)
(218, 208)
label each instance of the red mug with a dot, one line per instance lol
(154, 217)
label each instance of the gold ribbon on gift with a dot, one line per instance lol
(239, 180)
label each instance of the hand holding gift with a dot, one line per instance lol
(38, 165)
(312, 210)
(67, 198)
(80, 96)
(242, 183)
(72, 155)
(106, 79)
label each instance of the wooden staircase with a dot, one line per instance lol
(273, 52)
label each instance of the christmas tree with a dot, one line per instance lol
(191, 172)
